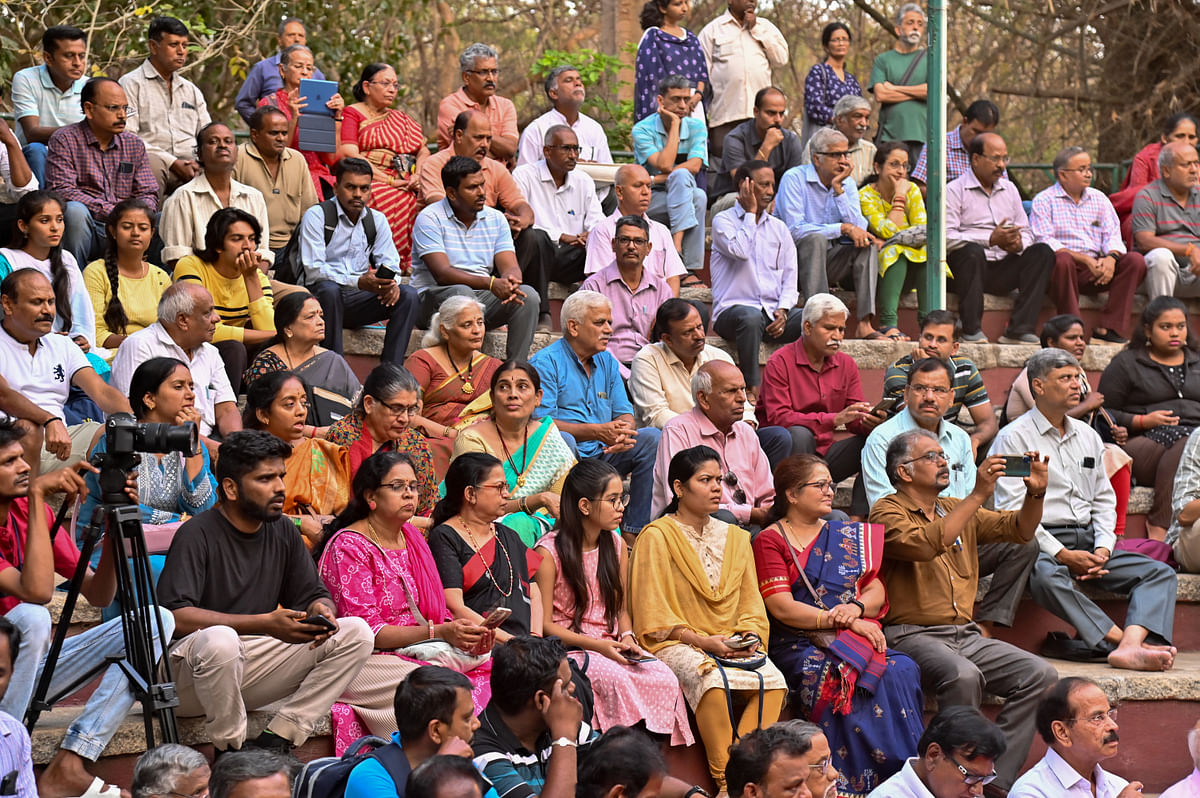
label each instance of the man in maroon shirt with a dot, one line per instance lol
(811, 387)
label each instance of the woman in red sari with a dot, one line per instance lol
(295, 64)
(394, 144)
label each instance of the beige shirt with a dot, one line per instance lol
(661, 387)
(739, 64)
(862, 159)
(288, 195)
(185, 216)
(166, 118)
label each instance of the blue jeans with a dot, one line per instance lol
(681, 207)
(35, 156)
(84, 236)
(638, 464)
(108, 706)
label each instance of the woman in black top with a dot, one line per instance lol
(1153, 389)
(483, 564)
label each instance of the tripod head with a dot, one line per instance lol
(124, 437)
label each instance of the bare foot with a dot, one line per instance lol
(1141, 659)
(864, 329)
(66, 776)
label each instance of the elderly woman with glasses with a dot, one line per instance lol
(171, 771)
(820, 582)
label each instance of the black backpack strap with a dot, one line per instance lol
(331, 219)
(369, 228)
(392, 757)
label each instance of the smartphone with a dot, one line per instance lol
(1016, 465)
(739, 643)
(385, 273)
(324, 624)
(496, 617)
(886, 404)
(638, 659)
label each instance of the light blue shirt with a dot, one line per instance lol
(471, 249)
(345, 259)
(570, 393)
(954, 441)
(34, 94)
(753, 262)
(649, 137)
(806, 206)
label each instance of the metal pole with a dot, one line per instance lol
(935, 198)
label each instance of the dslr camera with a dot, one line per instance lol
(124, 437)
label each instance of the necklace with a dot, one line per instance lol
(524, 454)
(467, 387)
(789, 534)
(488, 568)
(375, 538)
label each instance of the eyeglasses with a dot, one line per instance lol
(569, 149)
(999, 160)
(932, 457)
(398, 410)
(385, 84)
(844, 155)
(1083, 170)
(821, 765)
(402, 487)
(824, 486)
(936, 390)
(617, 502)
(969, 778)
(1098, 719)
(485, 73)
(897, 165)
(117, 109)
(625, 241)
(500, 486)
(731, 481)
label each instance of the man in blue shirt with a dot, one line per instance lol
(463, 247)
(819, 204)
(342, 273)
(673, 147)
(47, 97)
(264, 78)
(583, 392)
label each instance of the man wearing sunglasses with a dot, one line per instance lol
(957, 756)
(1080, 728)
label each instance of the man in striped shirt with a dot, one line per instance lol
(1166, 224)
(16, 754)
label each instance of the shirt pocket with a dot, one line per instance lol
(725, 48)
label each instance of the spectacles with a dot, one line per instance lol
(970, 778)
(844, 155)
(402, 487)
(485, 73)
(625, 241)
(500, 486)
(1099, 718)
(398, 410)
(897, 165)
(824, 486)
(117, 109)
(570, 149)
(1083, 170)
(821, 765)
(617, 502)
(936, 390)
(203, 793)
(998, 159)
(731, 481)
(386, 84)
(932, 457)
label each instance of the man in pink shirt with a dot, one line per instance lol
(747, 490)
(634, 292)
(811, 387)
(480, 66)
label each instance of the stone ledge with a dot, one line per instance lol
(85, 613)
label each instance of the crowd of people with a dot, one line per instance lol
(555, 561)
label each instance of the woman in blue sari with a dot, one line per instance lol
(820, 582)
(535, 458)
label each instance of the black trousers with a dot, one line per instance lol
(1027, 272)
(354, 308)
(542, 261)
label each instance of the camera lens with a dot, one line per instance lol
(162, 438)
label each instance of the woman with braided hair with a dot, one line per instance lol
(123, 287)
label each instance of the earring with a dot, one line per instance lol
(371, 505)
(288, 333)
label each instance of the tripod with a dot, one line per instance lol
(121, 522)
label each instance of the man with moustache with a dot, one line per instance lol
(168, 111)
(981, 116)
(280, 174)
(852, 118)
(1166, 224)
(770, 763)
(565, 90)
(899, 81)
(956, 758)
(94, 164)
(1076, 534)
(823, 776)
(1080, 730)
(241, 585)
(480, 65)
(762, 138)
(991, 246)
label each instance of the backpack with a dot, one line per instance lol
(289, 267)
(326, 777)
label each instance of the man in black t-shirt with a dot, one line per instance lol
(240, 583)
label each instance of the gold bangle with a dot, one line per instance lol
(491, 282)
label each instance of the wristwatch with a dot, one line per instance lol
(564, 742)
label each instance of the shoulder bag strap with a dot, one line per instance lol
(412, 605)
(912, 67)
(804, 576)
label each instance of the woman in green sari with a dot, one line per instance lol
(535, 458)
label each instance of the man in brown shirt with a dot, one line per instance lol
(931, 569)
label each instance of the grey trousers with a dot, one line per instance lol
(1150, 584)
(1010, 565)
(824, 263)
(521, 319)
(958, 664)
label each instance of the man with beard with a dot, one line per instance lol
(94, 164)
(167, 111)
(29, 560)
(899, 81)
(245, 591)
(1080, 728)
(185, 213)
(852, 118)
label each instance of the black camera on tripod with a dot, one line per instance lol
(124, 437)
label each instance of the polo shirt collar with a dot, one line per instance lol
(48, 82)
(801, 357)
(39, 343)
(443, 205)
(504, 735)
(466, 98)
(1165, 191)
(253, 151)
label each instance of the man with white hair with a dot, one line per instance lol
(565, 90)
(899, 81)
(810, 387)
(170, 769)
(852, 118)
(583, 392)
(1189, 786)
(480, 67)
(184, 330)
(1166, 224)
(818, 202)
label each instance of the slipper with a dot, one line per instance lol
(893, 334)
(98, 789)
(688, 280)
(875, 335)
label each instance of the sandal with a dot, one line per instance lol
(892, 334)
(688, 280)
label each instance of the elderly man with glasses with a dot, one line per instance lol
(931, 568)
(957, 753)
(171, 771)
(480, 65)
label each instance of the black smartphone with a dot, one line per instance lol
(739, 643)
(886, 404)
(638, 659)
(385, 273)
(1016, 465)
(324, 624)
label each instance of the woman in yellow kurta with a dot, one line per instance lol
(693, 587)
(895, 212)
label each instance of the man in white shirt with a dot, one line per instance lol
(1076, 531)
(957, 752)
(43, 366)
(1080, 728)
(566, 92)
(564, 206)
(184, 330)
